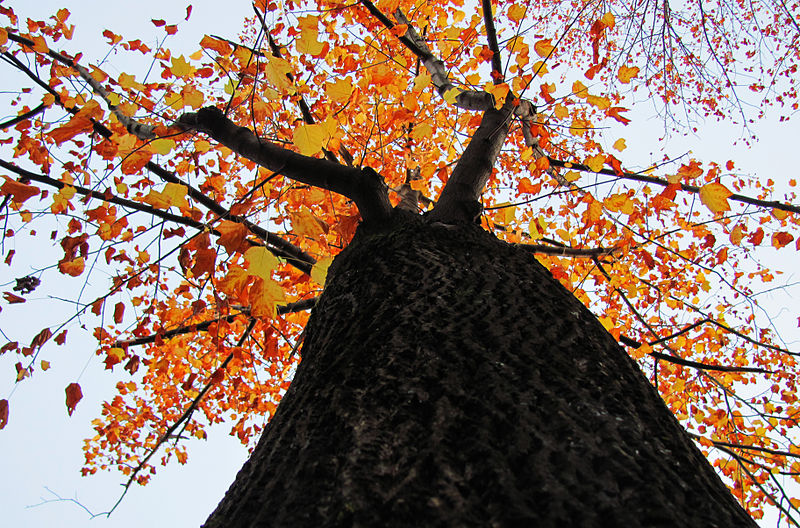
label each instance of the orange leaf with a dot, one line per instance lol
(74, 395)
(19, 191)
(543, 48)
(232, 235)
(135, 161)
(781, 239)
(625, 74)
(399, 30)
(73, 267)
(220, 46)
(736, 235)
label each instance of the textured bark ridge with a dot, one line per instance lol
(448, 380)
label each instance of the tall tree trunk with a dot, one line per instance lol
(448, 380)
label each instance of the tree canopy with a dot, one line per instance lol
(209, 193)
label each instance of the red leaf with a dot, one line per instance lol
(74, 395)
(3, 413)
(61, 338)
(12, 345)
(13, 299)
(41, 338)
(158, 23)
(119, 311)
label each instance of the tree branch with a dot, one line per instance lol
(491, 37)
(565, 251)
(664, 183)
(298, 306)
(364, 186)
(625, 340)
(22, 117)
(460, 198)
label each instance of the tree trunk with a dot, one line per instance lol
(448, 380)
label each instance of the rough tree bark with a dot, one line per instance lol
(448, 380)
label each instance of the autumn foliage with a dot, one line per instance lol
(213, 260)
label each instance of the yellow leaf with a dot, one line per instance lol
(175, 194)
(305, 224)
(539, 68)
(156, 199)
(780, 214)
(162, 145)
(260, 262)
(309, 139)
(265, 294)
(421, 131)
(736, 235)
(609, 20)
(451, 95)
(543, 48)
(201, 146)
(715, 197)
(117, 353)
(600, 102)
(276, 70)
(580, 90)
(129, 82)
(560, 111)
(181, 68)
(45, 365)
(320, 270)
(572, 176)
(192, 97)
(596, 162)
(625, 74)
(308, 43)
(516, 12)
(619, 202)
(422, 81)
(620, 145)
(339, 91)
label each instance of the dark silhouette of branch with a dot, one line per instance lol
(22, 117)
(625, 340)
(565, 251)
(491, 37)
(298, 306)
(364, 186)
(664, 183)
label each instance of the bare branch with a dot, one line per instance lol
(491, 36)
(298, 306)
(664, 183)
(460, 198)
(566, 251)
(689, 363)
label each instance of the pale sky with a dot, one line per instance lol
(42, 446)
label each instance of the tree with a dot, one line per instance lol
(445, 374)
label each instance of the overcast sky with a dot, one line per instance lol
(42, 448)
